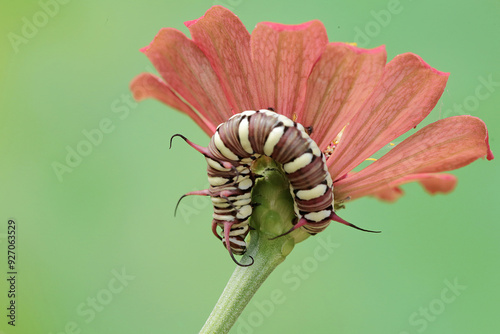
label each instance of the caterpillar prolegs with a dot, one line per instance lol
(232, 149)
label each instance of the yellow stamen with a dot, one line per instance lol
(331, 147)
(371, 159)
(339, 136)
(294, 117)
(392, 144)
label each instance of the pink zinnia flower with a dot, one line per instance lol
(355, 101)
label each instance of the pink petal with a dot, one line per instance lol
(187, 71)
(340, 82)
(388, 194)
(406, 94)
(444, 145)
(283, 57)
(226, 43)
(147, 85)
(433, 183)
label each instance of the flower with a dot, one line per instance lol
(355, 102)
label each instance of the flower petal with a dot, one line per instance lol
(147, 85)
(444, 145)
(406, 94)
(187, 71)
(340, 82)
(283, 57)
(226, 43)
(388, 194)
(432, 183)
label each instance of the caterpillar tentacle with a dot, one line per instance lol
(230, 204)
(203, 150)
(233, 148)
(227, 241)
(301, 223)
(205, 192)
(333, 217)
(336, 218)
(200, 149)
(214, 230)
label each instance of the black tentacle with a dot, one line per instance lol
(178, 202)
(176, 135)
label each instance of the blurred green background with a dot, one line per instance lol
(99, 250)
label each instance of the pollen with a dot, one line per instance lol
(331, 147)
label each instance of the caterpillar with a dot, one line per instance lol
(231, 151)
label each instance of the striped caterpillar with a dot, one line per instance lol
(232, 149)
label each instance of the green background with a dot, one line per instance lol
(114, 211)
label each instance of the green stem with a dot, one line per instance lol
(271, 218)
(244, 283)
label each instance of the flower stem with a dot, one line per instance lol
(244, 282)
(272, 217)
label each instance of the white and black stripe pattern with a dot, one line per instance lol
(232, 149)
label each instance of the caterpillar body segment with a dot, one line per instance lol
(231, 151)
